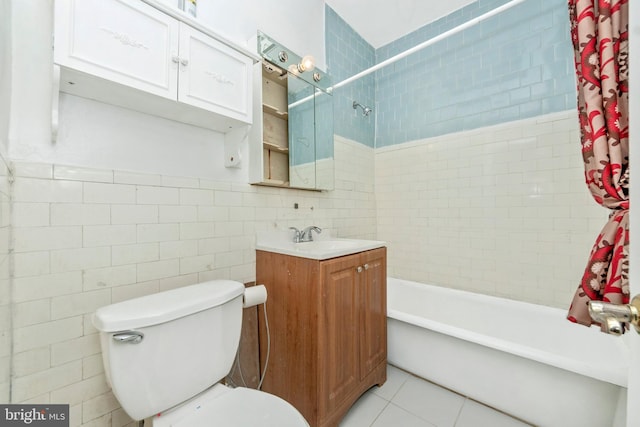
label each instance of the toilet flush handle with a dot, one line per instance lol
(131, 337)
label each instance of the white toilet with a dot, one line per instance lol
(165, 353)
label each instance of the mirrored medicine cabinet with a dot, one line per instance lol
(291, 141)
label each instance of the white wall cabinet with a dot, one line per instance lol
(131, 54)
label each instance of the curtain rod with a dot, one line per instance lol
(429, 42)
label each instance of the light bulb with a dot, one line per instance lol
(307, 64)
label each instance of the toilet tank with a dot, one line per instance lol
(189, 338)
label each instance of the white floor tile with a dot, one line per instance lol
(474, 414)
(364, 412)
(429, 402)
(395, 379)
(393, 416)
(408, 401)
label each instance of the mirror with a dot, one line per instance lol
(310, 136)
(324, 140)
(296, 143)
(302, 156)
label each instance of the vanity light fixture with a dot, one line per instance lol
(281, 58)
(307, 63)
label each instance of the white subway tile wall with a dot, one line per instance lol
(501, 210)
(5, 285)
(86, 238)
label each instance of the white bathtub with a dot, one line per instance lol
(523, 359)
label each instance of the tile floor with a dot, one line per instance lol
(408, 401)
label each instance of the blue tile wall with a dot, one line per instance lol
(348, 54)
(515, 65)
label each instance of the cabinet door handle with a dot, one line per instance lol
(175, 58)
(184, 62)
(366, 266)
(359, 269)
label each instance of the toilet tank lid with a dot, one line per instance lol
(165, 306)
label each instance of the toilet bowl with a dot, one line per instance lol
(164, 355)
(237, 407)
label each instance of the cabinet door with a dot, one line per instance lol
(338, 332)
(373, 310)
(128, 42)
(213, 76)
(302, 147)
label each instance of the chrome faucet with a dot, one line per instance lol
(296, 234)
(613, 318)
(306, 235)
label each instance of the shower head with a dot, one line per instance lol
(365, 110)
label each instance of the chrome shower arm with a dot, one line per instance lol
(365, 110)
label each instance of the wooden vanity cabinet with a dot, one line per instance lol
(327, 321)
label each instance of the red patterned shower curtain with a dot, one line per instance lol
(599, 30)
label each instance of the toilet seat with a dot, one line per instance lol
(238, 407)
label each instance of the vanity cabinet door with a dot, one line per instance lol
(338, 333)
(373, 311)
(213, 76)
(128, 42)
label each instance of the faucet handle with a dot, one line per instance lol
(306, 235)
(296, 234)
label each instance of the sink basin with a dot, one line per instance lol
(318, 249)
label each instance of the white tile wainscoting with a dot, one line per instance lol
(501, 210)
(5, 284)
(84, 238)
